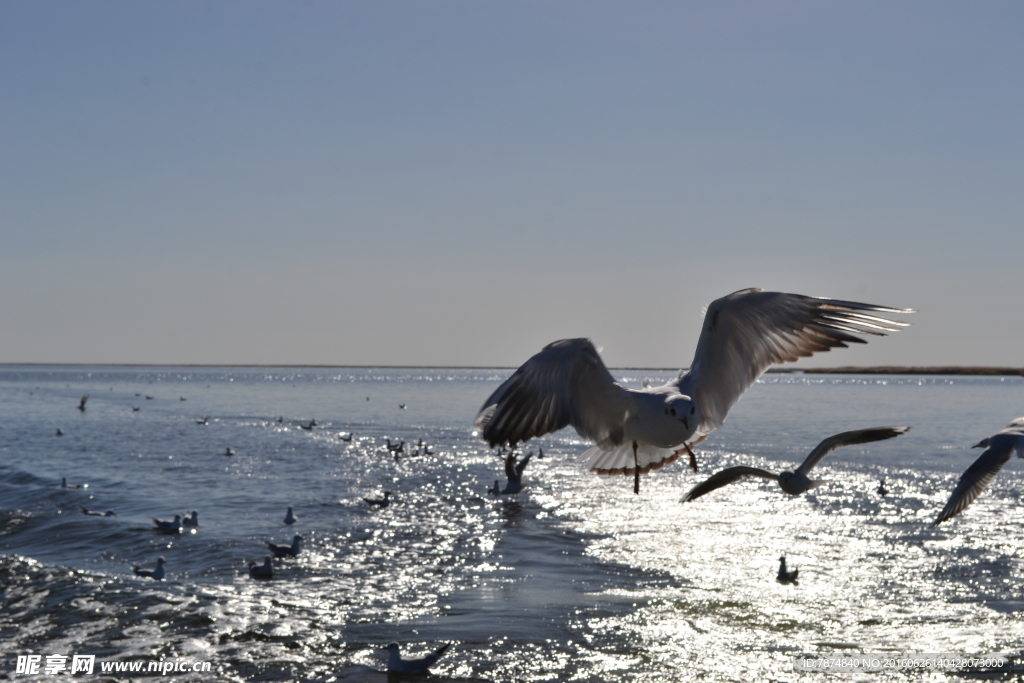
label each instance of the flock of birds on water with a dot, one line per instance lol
(637, 431)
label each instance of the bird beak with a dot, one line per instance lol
(980, 444)
(686, 423)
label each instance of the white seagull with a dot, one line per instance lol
(795, 483)
(397, 664)
(157, 573)
(999, 448)
(636, 431)
(286, 550)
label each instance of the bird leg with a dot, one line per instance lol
(636, 471)
(693, 458)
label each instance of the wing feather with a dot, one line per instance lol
(750, 330)
(974, 480)
(566, 383)
(851, 438)
(724, 478)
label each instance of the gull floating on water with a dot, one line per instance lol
(999, 448)
(191, 520)
(398, 664)
(203, 420)
(60, 432)
(65, 485)
(290, 518)
(636, 431)
(97, 513)
(81, 403)
(157, 573)
(784, 576)
(286, 550)
(262, 571)
(174, 527)
(346, 439)
(882, 491)
(380, 502)
(229, 451)
(795, 483)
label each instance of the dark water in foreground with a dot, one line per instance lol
(574, 579)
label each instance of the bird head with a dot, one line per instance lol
(981, 444)
(682, 408)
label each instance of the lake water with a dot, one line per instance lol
(574, 579)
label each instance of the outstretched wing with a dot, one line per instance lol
(750, 330)
(566, 383)
(726, 476)
(847, 439)
(974, 480)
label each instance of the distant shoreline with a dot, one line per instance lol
(842, 370)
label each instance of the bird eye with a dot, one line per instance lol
(673, 411)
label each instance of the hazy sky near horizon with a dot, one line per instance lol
(460, 183)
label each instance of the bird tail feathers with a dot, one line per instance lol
(619, 459)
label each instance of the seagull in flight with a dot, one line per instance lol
(636, 431)
(795, 483)
(999, 448)
(398, 664)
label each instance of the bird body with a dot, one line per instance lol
(786, 576)
(65, 485)
(286, 550)
(796, 482)
(639, 430)
(97, 513)
(191, 520)
(380, 502)
(999, 448)
(398, 664)
(174, 527)
(157, 573)
(81, 403)
(262, 571)
(290, 517)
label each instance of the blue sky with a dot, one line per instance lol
(459, 183)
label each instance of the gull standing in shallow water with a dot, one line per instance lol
(795, 483)
(636, 431)
(396, 663)
(999, 448)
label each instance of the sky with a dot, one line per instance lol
(461, 183)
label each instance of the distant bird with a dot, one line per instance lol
(401, 406)
(514, 472)
(784, 576)
(148, 397)
(229, 451)
(97, 513)
(286, 550)
(290, 518)
(65, 485)
(191, 520)
(346, 439)
(367, 398)
(203, 420)
(636, 431)
(135, 409)
(398, 664)
(157, 573)
(380, 502)
(281, 419)
(182, 398)
(999, 448)
(174, 527)
(882, 491)
(395, 448)
(264, 571)
(60, 432)
(312, 423)
(81, 403)
(496, 490)
(795, 483)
